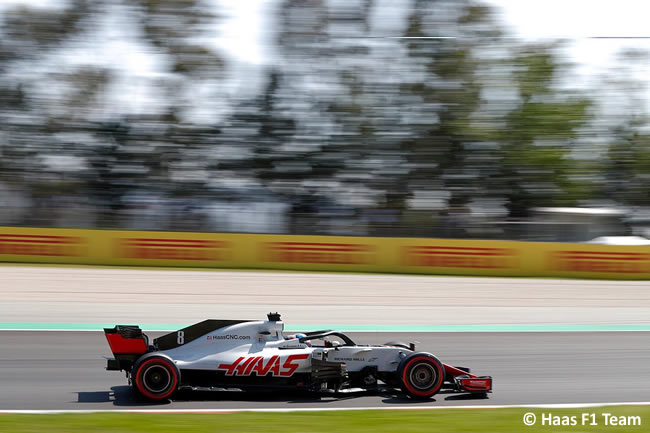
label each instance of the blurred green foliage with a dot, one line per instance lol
(345, 117)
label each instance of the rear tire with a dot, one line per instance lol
(155, 376)
(421, 375)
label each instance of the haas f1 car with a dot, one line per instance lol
(224, 355)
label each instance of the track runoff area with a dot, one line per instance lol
(545, 367)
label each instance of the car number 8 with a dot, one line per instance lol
(181, 337)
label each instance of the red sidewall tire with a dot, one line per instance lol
(432, 364)
(141, 368)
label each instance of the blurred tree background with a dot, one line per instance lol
(365, 123)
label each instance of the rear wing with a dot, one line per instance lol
(128, 343)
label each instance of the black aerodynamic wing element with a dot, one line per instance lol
(323, 331)
(192, 332)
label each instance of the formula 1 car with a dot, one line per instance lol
(246, 355)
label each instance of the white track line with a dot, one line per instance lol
(328, 409)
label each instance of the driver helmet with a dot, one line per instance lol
(300, 335)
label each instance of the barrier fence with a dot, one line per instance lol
(323, 253)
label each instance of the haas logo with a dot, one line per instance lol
(257, 364)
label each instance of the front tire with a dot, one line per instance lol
(155, 377)
(421, 375)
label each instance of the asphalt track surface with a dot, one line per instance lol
(65, 370)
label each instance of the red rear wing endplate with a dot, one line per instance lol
(126, 341)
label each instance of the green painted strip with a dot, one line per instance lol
(38, 326)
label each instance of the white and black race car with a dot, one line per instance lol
(256, 355)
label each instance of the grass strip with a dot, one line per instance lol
(370, 421)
